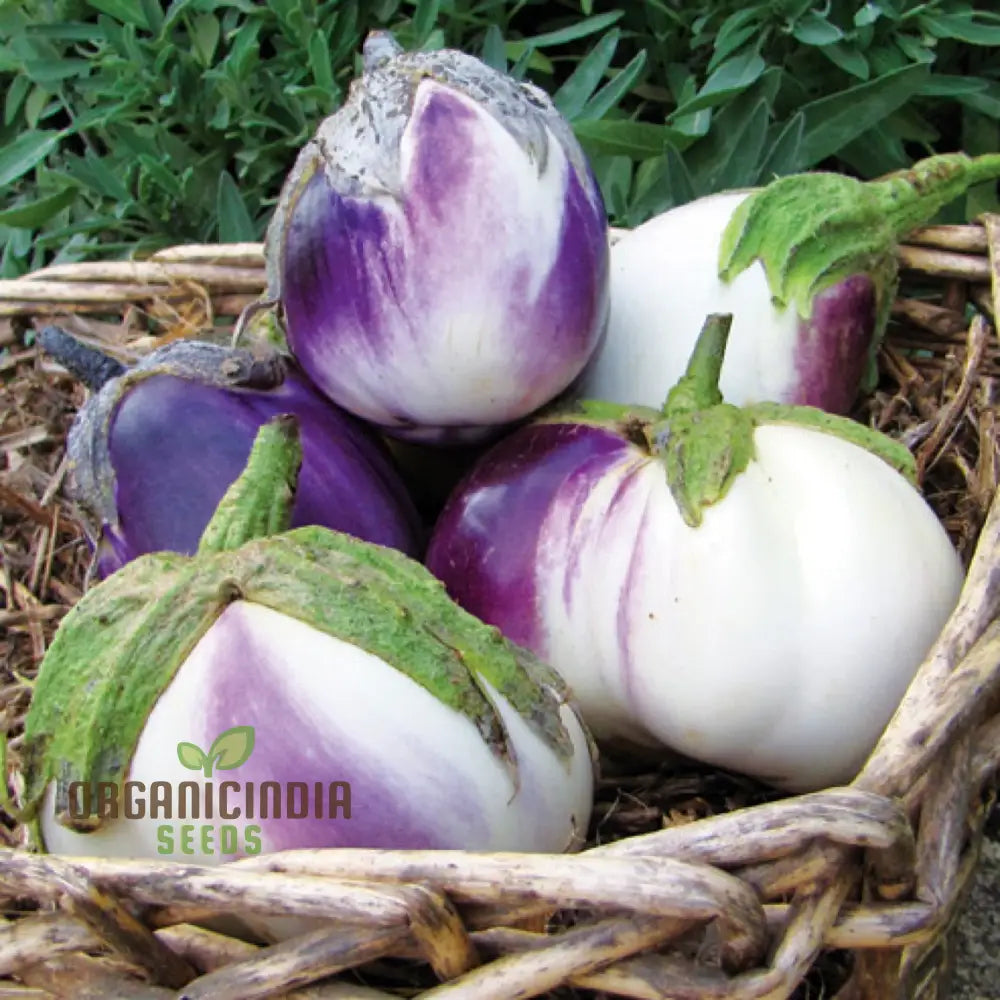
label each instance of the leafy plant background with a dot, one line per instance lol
(133, 124)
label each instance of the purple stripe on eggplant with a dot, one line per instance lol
(627, 599)
(293, 743)
(834, 345)
(507, 495)
(341, 264)
(442, 177)
(176, 445)
(572, 498)
(573, 304)
(574, 495)
(458, 196)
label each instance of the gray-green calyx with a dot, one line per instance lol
(812, 230)
(91, 473)
(121, 645)
(359, 146)
(706, 443)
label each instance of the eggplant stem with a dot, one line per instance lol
(698, 389)
(87, 364)
(910, 198)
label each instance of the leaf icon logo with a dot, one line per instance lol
(230, 749)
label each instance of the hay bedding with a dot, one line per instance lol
(939, 393)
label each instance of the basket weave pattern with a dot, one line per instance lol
(735, 905)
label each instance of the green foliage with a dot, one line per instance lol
(132, 124)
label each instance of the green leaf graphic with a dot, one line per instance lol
(230, 749)
(191, 756)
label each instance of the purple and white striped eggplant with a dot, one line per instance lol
(286, 689)
(751, 587)
(157, 445)
(806, 267)
(440, 248)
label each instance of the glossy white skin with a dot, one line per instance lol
(440, 763)
(777, 638)
(664, 282)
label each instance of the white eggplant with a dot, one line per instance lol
(751, 587)
(293, 689)
(806, 267)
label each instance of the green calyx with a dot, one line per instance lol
(260, 326)
(812, 230)
(705, 443)
(259, 502)
(122, 644)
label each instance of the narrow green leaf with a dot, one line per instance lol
(35, 105)
(25, 152)
(733, 44)
(92, 171)
(649, 176)
(971, 27)
(708, 157)
(319, 61)
(730, 78)
(66, 31)
(638, 140)
(46, 71)
(232, 748)
(586, 77)
(33, 214)
(913, 49)
(493, 49)
(942, 85)
(136, 139)
(733, 32)
(16, 93)
(153, 13)
(174, 13)
(528, 58)
(425, 17)
(660, 184)
(833, 121)
(694, 126)
(875, 153)
(581, 29)
(162, 175)
(783, 157)
(980, 134)
(615, 89)
(986, 102)
(434, 42)
(191, 756)
(125, 11)
(867, 15)
(849, 59)
(813, 29)
(682, 186)
(205, 32)
(740, 168)
(235, 223)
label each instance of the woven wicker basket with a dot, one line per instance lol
(737, 904)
